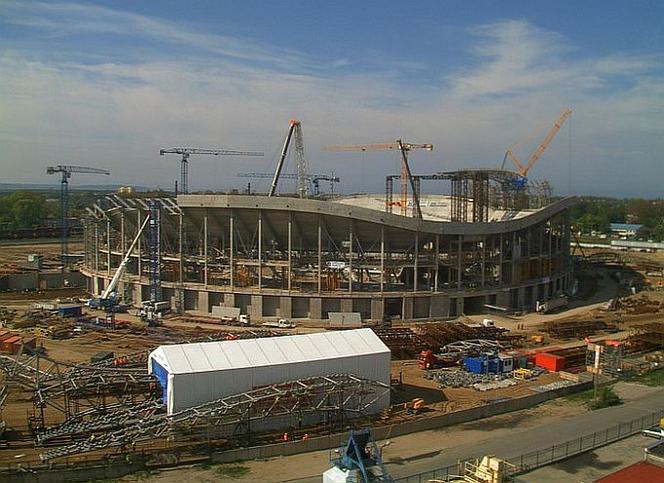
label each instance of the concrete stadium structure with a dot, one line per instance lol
(304, 258)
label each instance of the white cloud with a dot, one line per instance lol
(117, 113)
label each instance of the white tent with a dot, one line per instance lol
(193, 374)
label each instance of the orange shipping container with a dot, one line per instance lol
(7, 345)
(549, 361)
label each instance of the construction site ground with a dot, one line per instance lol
(134, 336)
(419, 452)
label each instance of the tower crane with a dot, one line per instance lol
(66, 172)
(294, 132)
(523, 170)
(314, 179)
(186, 152)
(406, 177)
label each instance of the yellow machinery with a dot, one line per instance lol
(522, 374)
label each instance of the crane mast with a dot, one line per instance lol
(294, 135)
(406, 176)
(187, 152)
(66, 172)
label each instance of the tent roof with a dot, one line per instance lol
(237, 354)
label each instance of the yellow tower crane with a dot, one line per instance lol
(406, 176)
(523, 170)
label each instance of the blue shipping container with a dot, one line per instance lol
(476, 365)
(70, 310)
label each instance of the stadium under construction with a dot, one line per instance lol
(479, 248)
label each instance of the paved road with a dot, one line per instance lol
(525, 441)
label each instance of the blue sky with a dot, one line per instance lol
(109, 83)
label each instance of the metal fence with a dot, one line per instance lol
(551, 454)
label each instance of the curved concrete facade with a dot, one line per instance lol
(301, 258)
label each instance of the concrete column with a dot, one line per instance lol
(350, 258)
(522, 298)
(483, 264)
(122, 234)
(515, 249)
(108, 247)
(416, 262)
(460, 306)
(205, 249)
(95, 285)
(346, 305)
(231, 243)
(437, 267)
(320, 255)
(229, 300)
(377, 309)
(316, 308)
(500, 272)
(382, 262)
(407, 308)
(290, 249)
(181, 302)
(260, 249)
(139, 264)
(440, 306)
(96, 247)
(286, 307)
(256, 308)
(503, 299)
(204, 301)
(459, 261)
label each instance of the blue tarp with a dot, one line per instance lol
(162, 376)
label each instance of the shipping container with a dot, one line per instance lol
(552, 362)
(476, 365)
(193, 374)
(7, 345)
(69, 310)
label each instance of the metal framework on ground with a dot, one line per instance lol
(330, 400)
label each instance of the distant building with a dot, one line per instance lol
(625, 230)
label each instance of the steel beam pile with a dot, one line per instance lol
(407, 343)
(575, 330)
(402, 342)
(646, 337)
(332, 396)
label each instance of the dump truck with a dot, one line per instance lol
(552, 305)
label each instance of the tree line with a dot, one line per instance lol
(595, 214)
(29, 209)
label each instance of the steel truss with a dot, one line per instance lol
(328, 399)
(72, 389)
